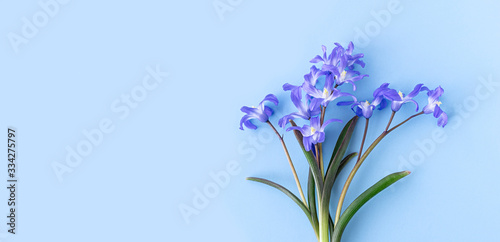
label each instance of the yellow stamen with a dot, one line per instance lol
(325, 93)
(253, 107)
(342, 75)
(400, 94)
(439, 103)
(313, 130)
(367, 103)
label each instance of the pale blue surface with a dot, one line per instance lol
(65, 79)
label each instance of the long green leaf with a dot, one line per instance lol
(286, 192)
(317, 180)
(362, 199)
(311, 197)
(331, 173)
(341, 146)
(343, 163)
(331, 225)
(318, 177)
(313, 179)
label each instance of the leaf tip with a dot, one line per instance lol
(407, 172)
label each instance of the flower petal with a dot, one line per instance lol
(271, 98)
(327, 122)
(443, 119)
(437, 111)
(269, 112)
(416, 91)
(345, 103)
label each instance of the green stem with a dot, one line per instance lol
(323, 223)
(343, 194)
(320, 147)
(320, 155)
(360, 162)
(291, 164)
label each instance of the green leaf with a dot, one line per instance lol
(286, 192)
(341, 146)
(362, 199)
(315, 177)
(311, 197)
(331, 173)
(331, 225)
(318, 177)
(344, 162)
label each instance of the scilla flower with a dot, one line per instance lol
(313, 75)
(314, 133)
(340, 64)
(330, 61)
(353, 59)
(261, 112)
(304, 110)
(326, 95)
(396, 105)
(338, 52)
(433, 106)
(365, 109)
(345, 75)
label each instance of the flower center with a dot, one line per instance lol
(313, 130)
(326, 93)
(254, 107)
(342, 75)
(439, 103)
(400, 94)
(367, 103)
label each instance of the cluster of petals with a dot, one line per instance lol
(321, 86)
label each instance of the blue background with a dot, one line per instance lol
(65, 78)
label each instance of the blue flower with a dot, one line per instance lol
(328, 94)
(365, 109)
(314, 133)
(396, 105)
(339, 65)
(337, 53)
(329, 62)
(261, 112)
(353, 59)
(313, 75)
(305, 111)
(345, 75)
(434, 104)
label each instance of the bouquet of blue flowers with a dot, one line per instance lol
(321, 87)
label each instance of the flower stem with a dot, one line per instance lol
(320, 155)
(291, 164)
(318, 161)
(323, 111)
(360, 161)
(364, 139)
(319, 151)
(390, 121)
(408, 119)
